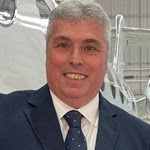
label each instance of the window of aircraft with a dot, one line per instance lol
(7, 11)
(113, 90)
(122, 97)
(112, 84)
(21, 12)
(58, 1)
(110, 77)
(103, 87)
(44, 10)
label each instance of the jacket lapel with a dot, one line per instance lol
(43, 119)
(108, 130)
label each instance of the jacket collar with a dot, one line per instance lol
(43, 119)
(108, 131)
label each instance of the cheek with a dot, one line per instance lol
(99, 71)
(52, 72)
(99, 65)
(54, 66)
(51, 65)
(53, 59)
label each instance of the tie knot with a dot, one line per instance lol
(73, 118)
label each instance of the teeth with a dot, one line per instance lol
(75, 76)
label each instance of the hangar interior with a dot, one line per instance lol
(136, 57)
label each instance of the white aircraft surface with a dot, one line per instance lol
(22, 54)
(22, 43)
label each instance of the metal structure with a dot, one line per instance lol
(125, 41)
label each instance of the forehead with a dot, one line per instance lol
(81, 29)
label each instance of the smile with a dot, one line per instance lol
(75, 76)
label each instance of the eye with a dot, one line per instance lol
(62, 45)
(90, 49)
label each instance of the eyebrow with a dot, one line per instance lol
(92, 41)
(62, 38)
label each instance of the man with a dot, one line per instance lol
(1, 96)
(78, 38)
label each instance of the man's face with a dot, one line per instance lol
(76, 60)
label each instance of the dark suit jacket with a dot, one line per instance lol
(28, 121)
(1, 95)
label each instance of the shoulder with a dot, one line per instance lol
(2, 95)
(18, 99)
(129, 124)
(16, 94)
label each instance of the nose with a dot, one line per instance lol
(76, 57)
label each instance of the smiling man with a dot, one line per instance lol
(69, 113)
(77, 54)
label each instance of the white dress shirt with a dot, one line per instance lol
(89, 123)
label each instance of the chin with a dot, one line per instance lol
(74, 94)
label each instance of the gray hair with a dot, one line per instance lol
(79, 10)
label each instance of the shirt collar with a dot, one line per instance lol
(90, 111)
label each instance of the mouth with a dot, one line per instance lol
(75, 76)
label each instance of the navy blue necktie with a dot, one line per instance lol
(75, 139)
